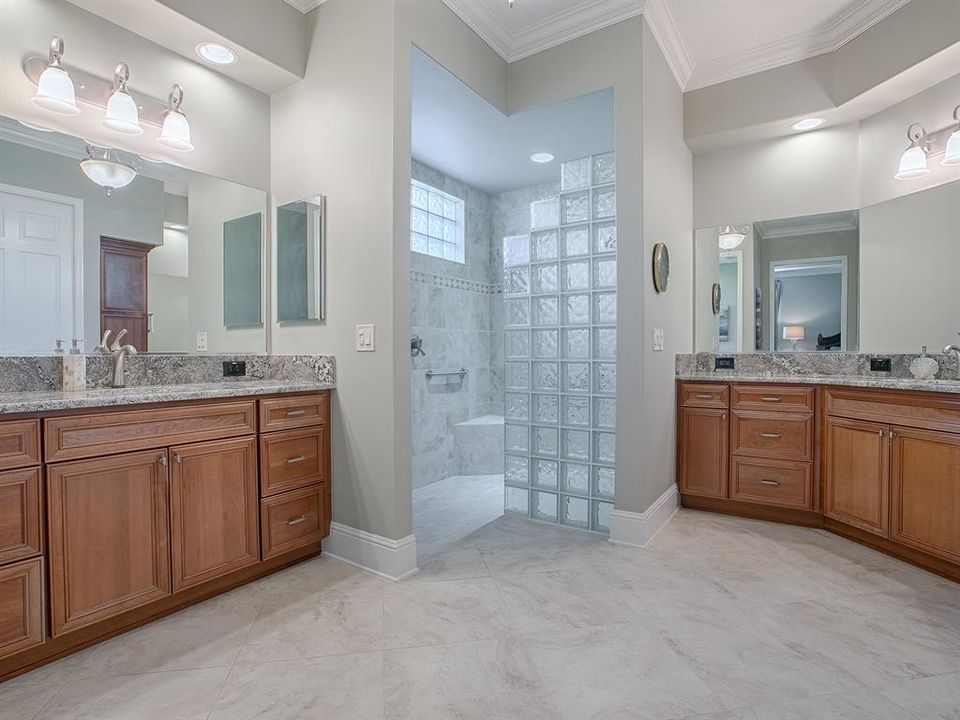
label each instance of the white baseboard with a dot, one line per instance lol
(390, 559)
(638, 529)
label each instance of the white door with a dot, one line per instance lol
(36, 272)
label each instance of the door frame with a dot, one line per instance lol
(77, 205)
(738, 254)
(771, 299)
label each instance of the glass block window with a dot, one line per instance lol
(436, 222)
(560, 339)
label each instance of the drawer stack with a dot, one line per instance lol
(294, 472)
(772, 445)
(21, 538)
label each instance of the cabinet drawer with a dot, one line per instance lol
(772, 482)
(20, 515)
(765, 398)
(291, 520)
(81, 436)
(293, 412)
(704, 395)
(21, 606)
(291, 459)
(773, 435)
(19, 444)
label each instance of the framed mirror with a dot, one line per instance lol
(301, 260)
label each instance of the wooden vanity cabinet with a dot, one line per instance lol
(703, 451)
(22, 608)
(856, 473)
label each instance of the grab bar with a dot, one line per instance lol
(443, 373)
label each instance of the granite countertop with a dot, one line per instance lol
(58, 400)
(888, 383)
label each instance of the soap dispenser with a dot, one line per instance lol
(924, 367)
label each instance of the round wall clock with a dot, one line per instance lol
(661, 267)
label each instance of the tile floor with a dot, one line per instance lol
(720, 619)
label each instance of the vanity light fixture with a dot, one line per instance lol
(731, 237)
(175, 133)
(542, 157)
(104, 168)
(122, 114)
(951, 155)
(807, 124)
(216, 53)
(913, 162)
(55, 88)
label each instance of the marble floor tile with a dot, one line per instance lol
(335, 688)
(20, 702)
(316, 575)
(57, 672)
(617, 673)
(175, 695)
(442, 612)
(457, 561)
(478, 680)
(932, 698)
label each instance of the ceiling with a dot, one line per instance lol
(705, 41)
(456, 131)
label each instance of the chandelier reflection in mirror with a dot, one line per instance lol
(105, 167)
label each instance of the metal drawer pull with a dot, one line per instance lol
(295, 413)
(770, 435)
(297, 521)
(769, 482)
(770, 398)
(297, 459)
(704, 396)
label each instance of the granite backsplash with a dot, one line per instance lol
(756, 364)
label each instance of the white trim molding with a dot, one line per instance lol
(305, 6)
(390, 559)
(638, 529)
(666, 31)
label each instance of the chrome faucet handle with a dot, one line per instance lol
(115, 345)
(103, 347)
(416, 346)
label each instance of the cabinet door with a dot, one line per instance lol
(925, 509)
(214, 509)
(856, 473)
(703, 451)
(21, 606)
(108, 532)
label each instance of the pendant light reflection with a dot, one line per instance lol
(176, 130)
(913, 162)
(952, 154)
(122, 115)
(55, 88)
(104, 168)
(731, 237)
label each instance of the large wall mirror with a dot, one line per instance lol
(883, 278)
(173, 256)
(301, 260)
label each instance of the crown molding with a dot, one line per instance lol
(845, 223)
(663, 24)
(574, 22)
(857, 19)
(305, 6)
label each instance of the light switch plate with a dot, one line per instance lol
(201, 342)
(366, 338)
(658, 339)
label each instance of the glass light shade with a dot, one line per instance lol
(913, 164)
(55, 92)
(176, 132)
(794, 332)
(108, 173)
(730, 238)
(122, 115)
(952, 154)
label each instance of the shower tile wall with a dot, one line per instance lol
(451, 307)
(560, 303)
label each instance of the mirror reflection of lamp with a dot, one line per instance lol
(796, 333)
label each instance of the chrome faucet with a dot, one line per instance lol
(119, 353)
(956, 350)
(416, 346)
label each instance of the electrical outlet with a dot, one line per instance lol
(234, 368)
(366, 338)
(201, 342)
(724, 363)
(658, 339)
(879, 364)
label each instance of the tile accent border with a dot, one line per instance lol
(390, 559)
(639, 529)
(454, 283)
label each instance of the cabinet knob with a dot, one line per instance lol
(162, 460)
(177, 459)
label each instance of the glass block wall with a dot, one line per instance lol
(560, 343)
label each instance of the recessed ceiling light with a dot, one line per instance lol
(217, 54)
(541, 157)
(807, 124)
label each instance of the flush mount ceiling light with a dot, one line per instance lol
(175, 133)
(913, 162)
(104, 168)
(216, 54)
(731, 237)
(807, 124)
(122, 114)
(542, 157)
(951, 155)
(55, 88)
